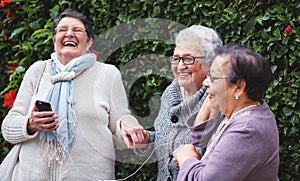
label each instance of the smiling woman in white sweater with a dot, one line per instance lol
(76, 140)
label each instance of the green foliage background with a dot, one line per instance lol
(258, 24)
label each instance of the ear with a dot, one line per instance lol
(53, 39)
(89, 44)
(240, 87)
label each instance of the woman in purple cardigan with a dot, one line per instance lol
(246, 143)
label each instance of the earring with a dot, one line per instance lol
(236, 96)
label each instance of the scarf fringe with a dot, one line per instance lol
(52, 152)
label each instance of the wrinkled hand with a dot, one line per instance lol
(206, 111)
(41, 121)
(134, 134)
(184, 152)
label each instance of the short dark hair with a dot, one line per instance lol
(74, 14)
(247, 65)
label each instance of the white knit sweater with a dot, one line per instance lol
(100, 102)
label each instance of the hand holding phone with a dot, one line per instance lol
(43, 106)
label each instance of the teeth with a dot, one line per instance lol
(69, 43)
(183, 73)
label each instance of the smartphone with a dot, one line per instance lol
(43, 105)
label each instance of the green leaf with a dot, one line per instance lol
(156, 11)
(16, 32)
(277, 34)
(20, 69)
(287, 111)
(250, 25)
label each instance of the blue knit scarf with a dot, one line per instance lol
(61, 97)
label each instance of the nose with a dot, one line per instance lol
(70, 32)
(206, 82)
(181, 65)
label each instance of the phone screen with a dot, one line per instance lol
(43, 106)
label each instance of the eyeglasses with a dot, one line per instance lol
(212, 78)
(64, 30)
(187, 60)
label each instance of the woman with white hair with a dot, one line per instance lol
(183, 98)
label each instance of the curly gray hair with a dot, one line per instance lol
(208, 39)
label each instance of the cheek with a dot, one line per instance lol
(59, 37)
(223, 101)
(57, 42)
(84, 45)
(220, 95)
(198, 75)
(174, 70)
(57, 46)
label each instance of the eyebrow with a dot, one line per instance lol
(66, 26)
(188, 54)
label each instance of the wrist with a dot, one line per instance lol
(30, 129)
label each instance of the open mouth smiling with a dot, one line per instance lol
(183, 73)
(70, 44)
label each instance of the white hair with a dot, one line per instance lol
(208, 40)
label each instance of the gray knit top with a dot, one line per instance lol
(170, 127)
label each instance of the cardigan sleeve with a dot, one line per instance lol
(201, 134)
(119, 108)
(14, 126)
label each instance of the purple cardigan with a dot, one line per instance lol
(246, 149)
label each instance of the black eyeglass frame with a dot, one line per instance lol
(184, 59)
(212, 78)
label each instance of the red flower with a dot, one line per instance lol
(12, 67)
(288, 30)
(4, 37)
(4, 2)
(96, 53)
(9, 14)
(9, 98)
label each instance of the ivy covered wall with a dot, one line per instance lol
(128, 35)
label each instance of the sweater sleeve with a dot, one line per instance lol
(201, 134)
(119, 109)
(14, 126)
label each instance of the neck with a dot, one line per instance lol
(189, 92)
(66, 59)
(241, 106)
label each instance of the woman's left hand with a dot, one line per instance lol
(184, 152)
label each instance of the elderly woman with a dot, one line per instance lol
(246, 143)
(75, 140)
(194, 51)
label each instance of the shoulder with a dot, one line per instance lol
(258, 120)
(36, 67)
(172, 88)
(106, 73)
(106, 68)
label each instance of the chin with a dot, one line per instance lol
(70, 53)
(182, 84)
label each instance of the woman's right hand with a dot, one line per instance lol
(206, 111)
(41, 121)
